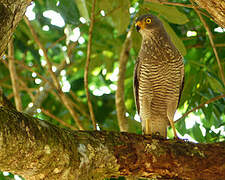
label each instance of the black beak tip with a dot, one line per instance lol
(138, 28)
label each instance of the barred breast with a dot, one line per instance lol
(159, 86)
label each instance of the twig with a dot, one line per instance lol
(180, 5)
(28, 90)
(220, 45)
(52, 74)
(31, 70)
(173, 3)
(201, 105)
(20, 81)
(78, 107)
(57, 41)
(202, 46)
(177, 4)
(10, 96)
(46, 112)
(66, 101)
(13, 75)
(87, 66)
(6, 85)
(120, 104)
(41, 95)
(211, 42)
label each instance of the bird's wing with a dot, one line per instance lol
(182, 84)
(136, 85)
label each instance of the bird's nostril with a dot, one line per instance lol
(138, 27)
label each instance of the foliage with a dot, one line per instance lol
(112, 22)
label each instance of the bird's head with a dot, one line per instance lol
(148, 23)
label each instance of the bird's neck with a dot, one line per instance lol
(156, 38)
(158, 44)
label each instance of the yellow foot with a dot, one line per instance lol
(175, 134)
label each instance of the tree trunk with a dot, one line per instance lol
(216, 8)
(36, 149)
(11, 12)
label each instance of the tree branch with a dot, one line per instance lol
(11, 13)
(41, 95)
(172, 3)
(87, 65)
(215, 8)
(66, 101)
(201, 105)
(36, 39)
(78, 106)
(212, 43)
(47, 113)
(31, 70)
(28, 90)
(13, 75)
(120, 104)
(36, 149)
(180, 5)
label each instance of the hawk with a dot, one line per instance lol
(158, 77)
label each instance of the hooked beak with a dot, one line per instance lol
(139, 26)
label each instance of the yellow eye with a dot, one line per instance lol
(148, 20)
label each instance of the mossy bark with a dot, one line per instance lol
(36, 149)
(11, 12)
(216, 8)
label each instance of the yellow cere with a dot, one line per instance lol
(140, 24)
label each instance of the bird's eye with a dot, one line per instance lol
(148, 20)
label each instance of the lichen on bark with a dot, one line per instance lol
(36, 149)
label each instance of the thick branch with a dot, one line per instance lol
(212, 44)
(215, 8)
(120, 104)
(36, 149)
(11, 13)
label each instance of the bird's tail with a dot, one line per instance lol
(156, 124)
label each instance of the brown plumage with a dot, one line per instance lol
(158, 76)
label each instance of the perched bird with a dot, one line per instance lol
(158, 77)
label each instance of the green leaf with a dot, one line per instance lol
(67, 9)
(181, 127)
(69, 12)
(168, 12)
(136, 40)
(196, 133)
(175, 39)
(215, 83)
(134, 126)
(81, 4)
(207, 120)
(118, 11)
(105, 5)
(121, 16)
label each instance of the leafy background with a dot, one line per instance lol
(68, 43)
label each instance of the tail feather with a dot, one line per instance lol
(154, 125)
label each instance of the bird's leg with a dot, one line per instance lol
(171, 109)
(147, 130)
(174, 129)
